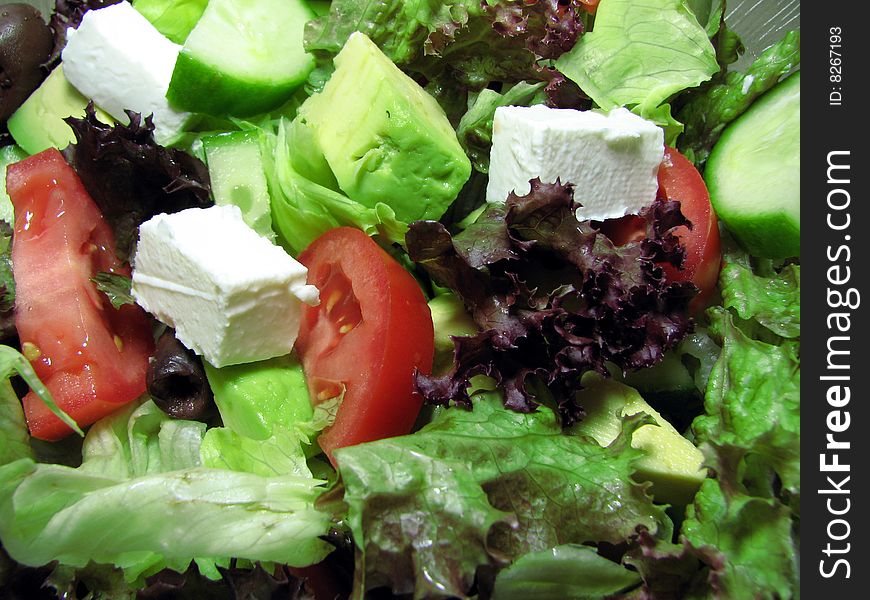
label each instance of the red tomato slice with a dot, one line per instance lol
(369, 333)
(680, 180)
(90, 356)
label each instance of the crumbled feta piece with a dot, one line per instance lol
(611, 159)
(232, 296)
(118, 59)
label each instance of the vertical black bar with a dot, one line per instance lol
(835, 262)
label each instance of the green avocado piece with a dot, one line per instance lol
(39, 122)
(384, 138)
(671, 462)
(255, 397)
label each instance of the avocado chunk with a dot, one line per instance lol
(671, 462)
(39, 122)
(253, 398)
(384, 138)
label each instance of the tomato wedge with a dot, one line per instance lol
(367, 336)
(91, 356)
(680, 180)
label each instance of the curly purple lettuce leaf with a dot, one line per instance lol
(132, 178)
(553, 297)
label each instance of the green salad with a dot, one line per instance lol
(369, 299)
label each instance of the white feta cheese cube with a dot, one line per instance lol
(612, 159)
(232, 296)
(118, 59)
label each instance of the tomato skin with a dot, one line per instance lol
(91, 357)
(680, 180)
(387, 334)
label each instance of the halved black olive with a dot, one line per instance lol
(26, 42)
(176, 380)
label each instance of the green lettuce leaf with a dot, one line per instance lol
(142, 500)
(173, 18)
(709, 111)
(14, 441)
(484, 487)
(116, 287)
(639, 54)
(456, 46)
(746, 540)
(12, 361)
(8, 155)
(475, 127)
(284, 452)
(774, 301)
(740, 536)
(753, 400)
(302, 210)
(743, 523)
(399, 28)
(709, 14)
(7, 285)
(569, 572)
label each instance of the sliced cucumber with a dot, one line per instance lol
(237, 177)
(753, 173)
(243, 57)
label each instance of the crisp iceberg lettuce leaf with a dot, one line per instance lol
(52, 512)
(173, 18)
(140, 440)
(302, 210)
(280, 454)
(14, 441)
(484, 487)
(284, 452)
(709, 14)
(639, 54)
(143, 501)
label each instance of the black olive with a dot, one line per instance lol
(26, 42)
(176, 380)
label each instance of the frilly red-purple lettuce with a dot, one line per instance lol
(553, 297)
(132, 178)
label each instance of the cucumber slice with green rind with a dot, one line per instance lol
(753, 174)
(244, 57)
(235, 167)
